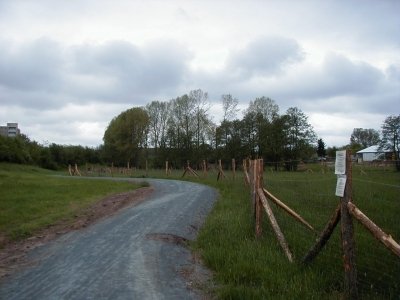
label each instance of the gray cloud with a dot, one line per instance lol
(33, 66)
(337, 85)
(97, 59)
(344, 77)
(133, 73)
(337, 78)
(266, 56)
(42, 73)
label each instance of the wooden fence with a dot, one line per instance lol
(344, 212)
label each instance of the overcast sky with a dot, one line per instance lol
(68, 67)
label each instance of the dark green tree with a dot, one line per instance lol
(300, 137)
(321, 152)
(126, 137)
(391, 137)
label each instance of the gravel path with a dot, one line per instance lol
(139, 253)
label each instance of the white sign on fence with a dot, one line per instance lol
(340, 163)
(340, 185)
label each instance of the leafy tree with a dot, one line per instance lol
(229, 107)
(229, 140)
(126, 136)
(264, 106)
(159, 113)
(275, 148)
(257, 125)
(300, 136)
(363, 138)
(321, 152)
(199, 99)
(391, 137)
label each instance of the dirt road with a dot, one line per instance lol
(138, 253)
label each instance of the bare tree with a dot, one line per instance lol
(229, 107)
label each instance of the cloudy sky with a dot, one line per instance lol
(68, 67)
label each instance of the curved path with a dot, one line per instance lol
(136, 254)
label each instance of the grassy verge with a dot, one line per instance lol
(247, 268)
(31, 199)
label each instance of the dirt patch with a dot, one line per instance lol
(13, 254)
(169, 238)
(197, 277)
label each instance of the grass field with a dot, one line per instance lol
(248, 268)
(31, 198)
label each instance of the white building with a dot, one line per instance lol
(371, 153)
(11, 130)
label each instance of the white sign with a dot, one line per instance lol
(340, 163)
(340, 185)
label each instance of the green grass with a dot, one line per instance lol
(32, 199)
(250, 268)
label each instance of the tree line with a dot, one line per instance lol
(182, 129)
(22, 150)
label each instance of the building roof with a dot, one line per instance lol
(372, 149)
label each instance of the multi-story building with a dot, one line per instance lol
(11, 130)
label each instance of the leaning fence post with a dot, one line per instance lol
(347, 231)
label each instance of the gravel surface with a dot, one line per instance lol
(138, 253)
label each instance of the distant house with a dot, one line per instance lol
(372, 153)
(11, 130)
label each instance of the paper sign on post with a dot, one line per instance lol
(340, 163)
(340, 185)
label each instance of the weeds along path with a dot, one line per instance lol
(139, 253)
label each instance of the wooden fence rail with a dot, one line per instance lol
(344, 212)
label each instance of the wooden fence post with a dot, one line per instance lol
(253, 177)
(220, 171)
(204, 168)
(258, 184)
(77, 170)
(347, 231)
(324, 236)
(234, 168)
(246, 172)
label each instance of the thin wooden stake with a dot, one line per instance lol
(275, 226)
(204, 168)
(168, 168)
(246, 174)
(288, 210)
(347, 231)
(234, 168)
(377, 232)
(190, 170)
(258, 180)
(324, 236)
(220, 171)
(77, 170)
(253, 185)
